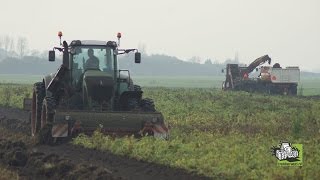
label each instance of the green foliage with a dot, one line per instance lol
(225, 134)
(307, 86)
(215, 133)
(12, 95)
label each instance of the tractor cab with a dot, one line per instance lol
(91, 56)
(93, 70)
(93, 75)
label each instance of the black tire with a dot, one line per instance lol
(137, 88)
(133, 104)
(47, 117)
(37, 99)
(147, 105)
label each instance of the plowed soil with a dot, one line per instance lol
(66, 161)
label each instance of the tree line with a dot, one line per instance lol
(12, 47)
(159, 65)
(17, 58)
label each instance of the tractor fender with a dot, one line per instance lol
(124, 76)
(125, 79)
(47, 79)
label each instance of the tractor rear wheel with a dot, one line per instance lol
(47, 117)
(133, 104)
(37, 99)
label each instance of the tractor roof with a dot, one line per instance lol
(92, 43)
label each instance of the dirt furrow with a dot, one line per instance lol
(67, 161)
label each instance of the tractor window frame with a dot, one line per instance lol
(104, 54)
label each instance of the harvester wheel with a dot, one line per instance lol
(37, 99)
(293, 90)
(47, 117)
(147, 105)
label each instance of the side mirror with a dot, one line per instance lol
(52, 55)
(222, 70)
(137, 57)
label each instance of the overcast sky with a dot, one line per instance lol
(287, 30)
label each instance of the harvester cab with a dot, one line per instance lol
(89, 91)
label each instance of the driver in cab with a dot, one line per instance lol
(92, 62)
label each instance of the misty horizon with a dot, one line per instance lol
(13, 53)
(287, 30)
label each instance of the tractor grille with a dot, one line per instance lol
(100, 89)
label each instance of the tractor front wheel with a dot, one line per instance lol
(37, 99)
(47, 117)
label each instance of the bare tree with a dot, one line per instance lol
(35, 53)
(22, 46)
(216, 62)
(208, 62)
(6, 43)
(9, 46)
(44, 55)
(195, 59)
(142, 48)
(1, 41)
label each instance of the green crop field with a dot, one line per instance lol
(19, 78)
(12, 95)
(224, 135)
(307, 86)
(180, 81)
(310, 86)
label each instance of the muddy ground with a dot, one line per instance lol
(66, 161)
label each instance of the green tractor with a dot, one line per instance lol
(89, 92)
